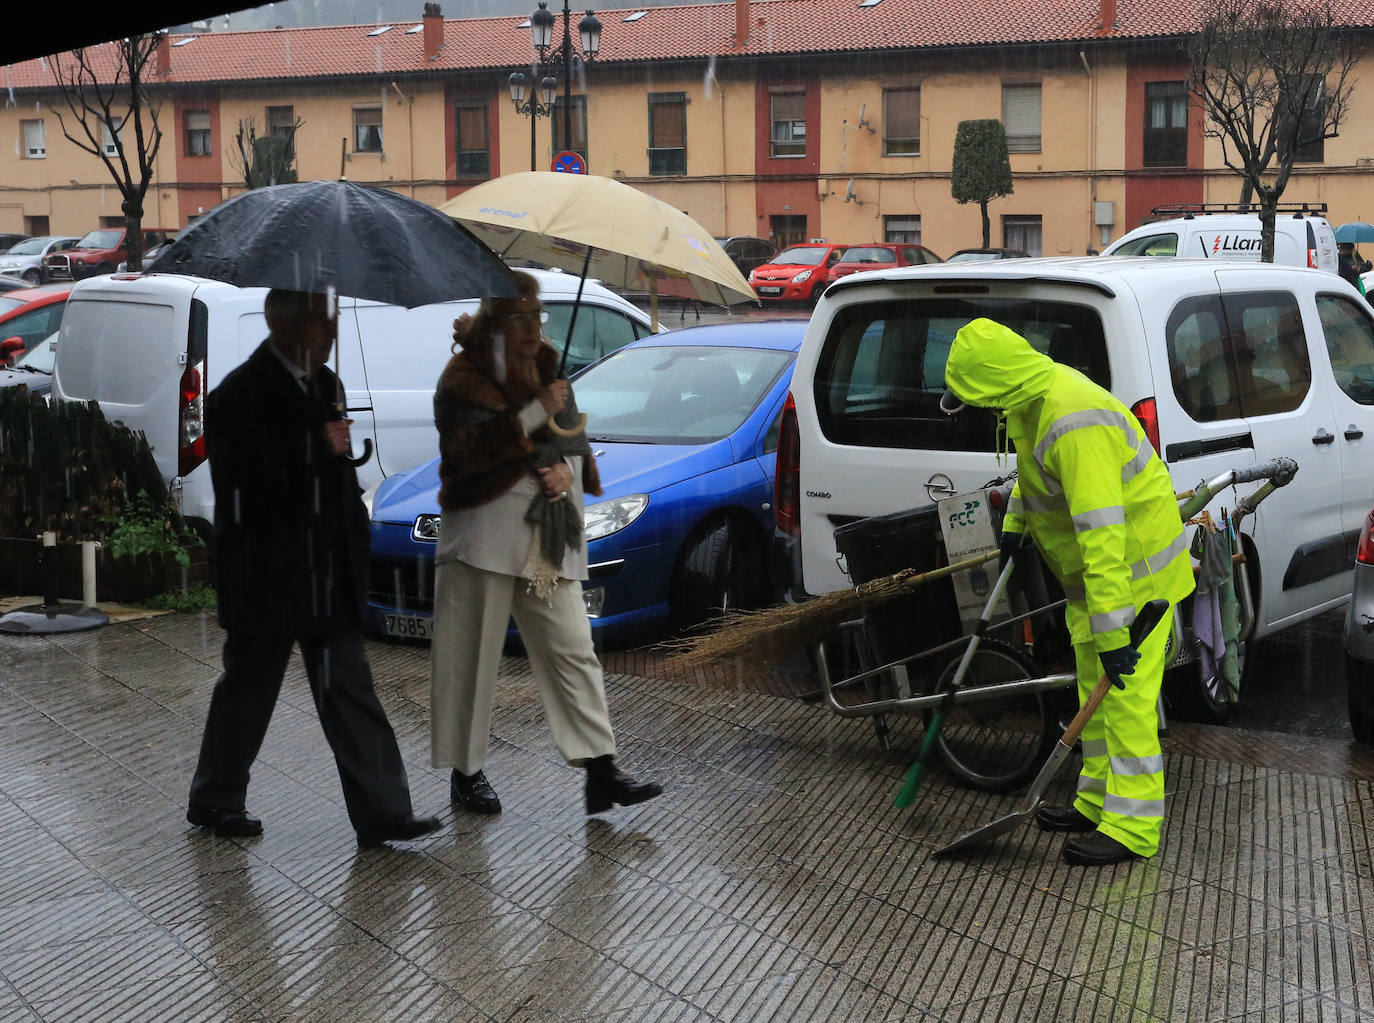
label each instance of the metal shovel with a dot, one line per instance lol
(1144, 624)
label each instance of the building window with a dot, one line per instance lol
(667, 133)
(281, 123)
(367, 129)
(901, 122)
(902, 229)
(579, 125)
(197, 133)
(107, 138)
(35, 145)
(470, 139)
(1311, 141)
(1021, 117)
(1023, 233)
(37, 226)
(786, 229)
(1166, 124)
(788, 117)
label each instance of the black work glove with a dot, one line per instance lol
(1008, 546)
(1118, 662)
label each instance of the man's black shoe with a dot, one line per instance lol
(225, 823)
(1096, 850)
(1062, 818)
(473, 793)
(403, 829)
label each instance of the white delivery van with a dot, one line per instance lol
(149, 347)
(1302, 235)
(1225, 364)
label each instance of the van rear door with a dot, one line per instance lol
(123, 347)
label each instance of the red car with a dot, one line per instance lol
(28, 316)
(99, 252)
(797, 274)
(881, 256)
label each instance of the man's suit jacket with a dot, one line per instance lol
(291, 543)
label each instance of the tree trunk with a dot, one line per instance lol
(133, 225)
(1269, 202)
(1246, 191)
(987, 226)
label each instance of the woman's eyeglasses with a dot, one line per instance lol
(527, 319)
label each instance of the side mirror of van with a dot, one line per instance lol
(10, 347)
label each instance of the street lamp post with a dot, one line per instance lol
(589, 31)
(532, 106)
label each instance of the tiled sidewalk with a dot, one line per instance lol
(774, 880)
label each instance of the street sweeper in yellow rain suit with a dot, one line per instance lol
(1100, 506)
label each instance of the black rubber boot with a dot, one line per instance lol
(606, 786)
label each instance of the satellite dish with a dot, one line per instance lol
(849, 195)
(863, 120)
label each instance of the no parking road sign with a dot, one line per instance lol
(568, 162)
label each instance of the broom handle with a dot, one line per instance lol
(1143, 625)
(932, 575)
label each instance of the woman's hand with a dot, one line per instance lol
(554, 397)
(556, 481)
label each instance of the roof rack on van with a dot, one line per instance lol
(1188, 210)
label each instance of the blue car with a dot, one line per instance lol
(685, 430)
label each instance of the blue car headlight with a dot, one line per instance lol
(607, 517)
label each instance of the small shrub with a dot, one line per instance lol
(193, 598)
(143, 528)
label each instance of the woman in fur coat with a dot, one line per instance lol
(514, 466)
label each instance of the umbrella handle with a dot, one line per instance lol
(568, 431)
(367, 453)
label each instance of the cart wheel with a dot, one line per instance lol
(996, 744)
(1208, 699)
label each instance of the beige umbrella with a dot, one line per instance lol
(603, 229)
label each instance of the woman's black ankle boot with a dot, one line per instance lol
(606, 786)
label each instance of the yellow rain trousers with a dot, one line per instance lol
(1100, 506)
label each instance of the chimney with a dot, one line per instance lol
(741, 24)
(1106, 20)
(434, 31)
(164, 54)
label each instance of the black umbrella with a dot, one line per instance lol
(361, 241)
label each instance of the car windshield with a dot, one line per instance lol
(973, 257)
(869, 254)
(6, 304)
(802, 255)
(100, 240)
(676, 395)
(31, 247)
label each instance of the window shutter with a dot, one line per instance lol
(789, 106)
(669, 125)
(1021, 117)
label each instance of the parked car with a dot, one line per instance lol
(798, 274)
(13, 284)
(881, 256)
(33, 368)
(1301, 237)
(1225, 365)
(986, 255)
(685, 429)
(148, 256)
(8, 241)
(148, 347)
(1359, 639)
(98, 252)
(748, 253)
(25, 260)
(31, 314)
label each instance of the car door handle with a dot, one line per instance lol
(1322, 437)
(1353, 432)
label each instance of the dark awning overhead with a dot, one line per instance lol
(55, 28)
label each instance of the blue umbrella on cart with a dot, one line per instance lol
(1356, 232)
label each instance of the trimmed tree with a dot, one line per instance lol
(1274, 78)
(981, 171)
(264, 159)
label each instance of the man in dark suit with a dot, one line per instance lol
(290, 560)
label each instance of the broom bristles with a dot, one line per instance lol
(764, 637)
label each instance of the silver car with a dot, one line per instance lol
(1359, 639)
(25, 260)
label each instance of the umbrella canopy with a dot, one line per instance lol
(1356, 231)
(634, 240)
(361, 241)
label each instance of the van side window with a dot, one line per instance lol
(1203, 374)
(1269, 345)
(1150, 245)
(1350, 341)
(881, 370)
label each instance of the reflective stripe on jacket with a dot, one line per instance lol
(1090, 488)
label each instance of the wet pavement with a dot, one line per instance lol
(773, 881)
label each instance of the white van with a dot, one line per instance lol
(1302, 235)
(1225, 364)
(148, 347)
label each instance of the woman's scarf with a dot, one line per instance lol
(557, 524)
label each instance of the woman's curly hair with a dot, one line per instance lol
(472, 331)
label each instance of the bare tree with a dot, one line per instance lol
(264, 159)
(1272, 76)
(105, 93)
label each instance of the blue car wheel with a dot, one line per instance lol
(720, 570)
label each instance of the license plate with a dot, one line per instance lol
(770, 291)
(409, 626)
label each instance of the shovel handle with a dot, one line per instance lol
(1143, 625)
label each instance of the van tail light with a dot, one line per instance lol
(787, 486)
(191, 419)
(1365, 553)
(1312, 259)
(1146, 411)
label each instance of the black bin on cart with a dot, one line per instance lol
(883, 544)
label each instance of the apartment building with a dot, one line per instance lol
(796, 119)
